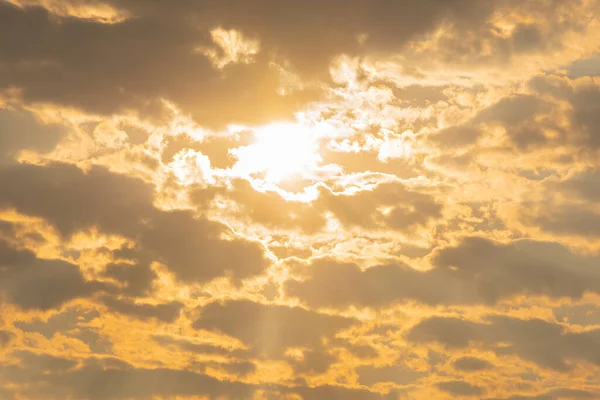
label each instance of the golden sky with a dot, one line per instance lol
(299, 200)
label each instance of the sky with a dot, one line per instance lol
(299, 200)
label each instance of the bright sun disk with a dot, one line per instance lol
(280, 151)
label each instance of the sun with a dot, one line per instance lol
(279, 151)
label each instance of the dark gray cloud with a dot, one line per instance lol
(50, 377)
(270, 329)
(67, 322)
(555, 394)
(54, 378)
(194, 250)
(583, 98)
(310, 35)
(546, 344)
(5, 338)
(459, 388)
(572, 200)
(315, 360)
(335, 393)
(50, 57)
(166, 312)
(589, 66)
(471, 364)
(34, 283)
(398, 374)
(407, 209)
(570, 219)
(108, 68)
(72, 322)
(136, 279)
(585, 184)
(240, 369)
(71, 61)
(524, 118)
(557, 111)
(474, 271)
(75, 201)
(456, 136)
(21, 130)
(200, 348)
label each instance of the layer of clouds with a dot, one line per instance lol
(476, 271)
(544, 343)
(21, 130)
(76, 201)
(458, 174)
(33, 283)
(271, 329)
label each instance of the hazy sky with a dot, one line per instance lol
(299, 199)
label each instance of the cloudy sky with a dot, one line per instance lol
(299, 200)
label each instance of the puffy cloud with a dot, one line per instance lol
(387, 206)
(397, 374)
(5, 338)
(438, 220)
(556, 394)
(22, 130)
(471, 364)
(544, 343)
(167, 312)
(309, 36)
(460, 388)
(194, 249)
(34, 283)
(270, 329)
(54, 378)
(136, 279)
(76, 201)
(476, 271)
(72, 63)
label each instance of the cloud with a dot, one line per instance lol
(404, 209)
(200, 348)
(192, 247)
(544, 343)
(476, 271)
(270, 329)
(442, 243)
(471, 364)
(55, 378)
(167, 312)
(21, 130)
(398, 374)
(33, 283)
(585, 184)
(581, 96)
(72, 63)
(93, 381)
(76, 201)
(5, 338)
(460, 388)
(555, 394)
(74, 322)
(309, 36)
(91, 10)
(136, 279)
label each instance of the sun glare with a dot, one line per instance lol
(279, 151)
